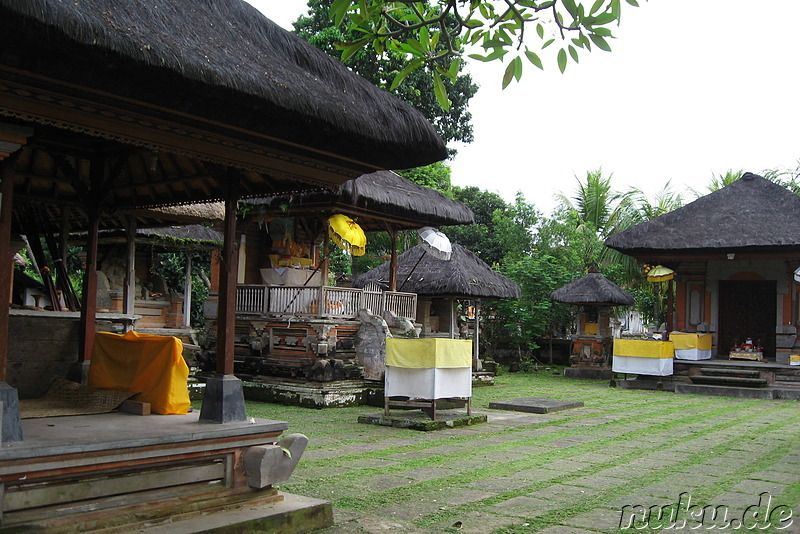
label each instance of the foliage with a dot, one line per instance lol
(481, 237)
(380, 66)
(435, 176)
(172, 267)
(521, 323)
(428, 34)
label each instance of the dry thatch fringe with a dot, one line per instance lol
(751, 213)
(231, 45)
(199, 212)
(381, 193)
(593, 288)
(464, 275)
(193, 232)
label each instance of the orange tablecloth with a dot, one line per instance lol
(152, 366)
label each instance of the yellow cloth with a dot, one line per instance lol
(590, 329)
(151, 366)
(428, 353)
(641, 348)
(691, 341)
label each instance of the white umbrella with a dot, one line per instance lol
(435, 242)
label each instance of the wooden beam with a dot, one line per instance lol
(129, 291)
(393, 260)
(226, 314)
(6, 266)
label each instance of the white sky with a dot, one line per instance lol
(691, 88)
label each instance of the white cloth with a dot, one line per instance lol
(428, 383)
(642, 366)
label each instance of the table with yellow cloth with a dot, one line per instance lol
(431, 368)
(690, 346)
(152, 366)
(643, 357)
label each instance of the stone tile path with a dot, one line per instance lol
(585, 470)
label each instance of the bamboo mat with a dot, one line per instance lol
(70, 398)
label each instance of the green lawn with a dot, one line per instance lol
(571, 471)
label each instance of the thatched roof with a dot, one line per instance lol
(751, 214)
(168, 238)
(374, 199)
(221, 61)
(464, 275)
(593, 288)
(193, 232)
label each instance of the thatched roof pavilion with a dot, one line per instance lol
(752, 214)
(377, 199)
(592, 289)
(463, 276)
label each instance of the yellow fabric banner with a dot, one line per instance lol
(691, 341)
(428, 352)
(642, 348)
(152, 366)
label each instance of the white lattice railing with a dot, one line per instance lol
(293, 300)
(251, 299)
(342, 302)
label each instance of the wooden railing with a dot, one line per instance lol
(326, 301)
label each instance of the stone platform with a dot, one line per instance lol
(590, 373)
(417, 420)
(535, 405)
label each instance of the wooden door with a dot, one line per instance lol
(747, 308)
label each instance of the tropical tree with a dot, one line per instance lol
(382, 65)
(481, 237)
(430, 34)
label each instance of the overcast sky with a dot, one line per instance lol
(692, 88)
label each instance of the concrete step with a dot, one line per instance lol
(732, 381)
(787, 378)
(717, 371)
(726, 391)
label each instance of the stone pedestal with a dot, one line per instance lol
(223, 400)
(11, 427)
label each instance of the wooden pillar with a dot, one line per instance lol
(393, 260)
(187, 292)
(89, 296)
(476, 353)
(453, 321)
(129, 291)
(223, 399)
(670, 307)
(6, 260)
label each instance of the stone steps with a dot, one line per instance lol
(741, 373)
(731, 381)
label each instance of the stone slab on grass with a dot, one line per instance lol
(417, 420)
(527, 507)
(535, 405)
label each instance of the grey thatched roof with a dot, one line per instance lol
(593, 288)
(222, 61)
(374, 198)
(751, 214)
(464, 275)
(192, 232)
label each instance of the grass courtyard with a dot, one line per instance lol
(573, 471)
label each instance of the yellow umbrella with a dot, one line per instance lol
(346, 233)
(659, 273)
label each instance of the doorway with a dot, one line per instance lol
(747, 308)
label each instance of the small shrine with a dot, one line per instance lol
(591, 346)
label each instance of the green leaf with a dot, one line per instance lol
(408, 69)
(474, 23)
(603, 18)
(540, 31)
(547, 43)
(338, 10)
(597, 5)
(440, 92)
(634, 3)
(517, 67)
(562, 60)
(348, 49)
(508, 75)
(573, 53)
(533, 58)
(455, 66)
(599, 42)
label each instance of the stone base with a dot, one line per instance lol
(293, 515)
(223, 400)
(727, 391)
(9, 414)
(482, 378)
(652, 384)
(417, 420)
(534, 405)
(594, 373)
(315, 394)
